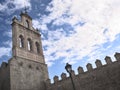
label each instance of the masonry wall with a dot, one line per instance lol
(27, 75)
(104, 77)
(4, 76)
(23, 74)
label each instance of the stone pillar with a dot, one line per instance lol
(108, 60)
(98, 63)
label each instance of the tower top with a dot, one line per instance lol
(26, 39)
(25, 14)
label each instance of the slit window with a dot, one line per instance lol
(29, 45)
(38, 47)
(21, 41)
(27, 24)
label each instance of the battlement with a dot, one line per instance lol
(90, 69)
(4, 65)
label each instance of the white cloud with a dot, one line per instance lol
(8, 44)
(8, 33)
(17, 4)
(21, 3)
(102, 23)
(37, 24)
(6, 51)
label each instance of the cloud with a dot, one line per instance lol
(8, 44)
(37, 24)
(6, 50)
(8, 33)
(94, 23)
(9, 6)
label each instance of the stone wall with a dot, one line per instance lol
(27, 75)
(103, 77)
(4, 76)
(29, 55)
(23, 74)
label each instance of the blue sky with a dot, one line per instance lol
(73, 31)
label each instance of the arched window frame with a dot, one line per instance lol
(37, 47)
(29, 44)
(21, 41)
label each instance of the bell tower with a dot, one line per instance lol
(27, 67)
(26, 39)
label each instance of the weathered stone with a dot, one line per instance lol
(117, 56)
(89, 67)
(56, 79)
(98, 63)
(63, 76)
(106, 77)
(80, 70)
(108, 60)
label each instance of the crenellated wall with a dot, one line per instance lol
(16, 75)
(103, 77)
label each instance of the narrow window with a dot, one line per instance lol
(27, 24)
(21, 41)
(38, 47)
(29, 45)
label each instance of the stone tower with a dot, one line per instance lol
(26, 70)
(26, 40)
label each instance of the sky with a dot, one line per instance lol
(73, 31)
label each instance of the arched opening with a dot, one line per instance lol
(29, 44)
(37, 47)
(27, 23)
(21, 41)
